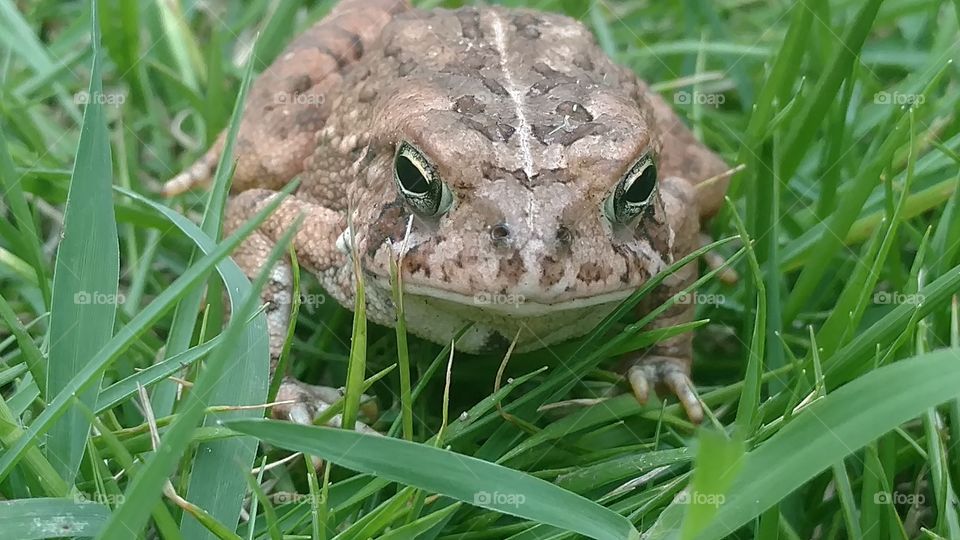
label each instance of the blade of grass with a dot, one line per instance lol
(13, 196)
(185, 316)
(403, 353)
(458, 476)
(800, 138)
(32, 356)
(835, 228)
(857, 413)
(416, 528)
(356, 369)
(215, 485)
(847, 501)
(144, 490)
(34, 462)
(719, 460)
(85, 276)
(51, 518)
(125, 388)
(748, 416)
(127, 335)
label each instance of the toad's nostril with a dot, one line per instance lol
(500, 233)
(564, 236)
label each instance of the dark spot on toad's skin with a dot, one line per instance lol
(545, 132)
(391, 224)
(355, 41)
(574, 111)
(470, 23)
(591, 272)
(415, 265)
(545, 86)
(494, 87)
(542, 68)
(526, 25)
(511, 268)
(391, 50)
(406, 68)
(564, 238)
(299, 84)
(551, 79)
(583, 61)
(360, 73)
(469, 105)
(491, 172)
(506, 131)
(555, 176)
(564, 136)
(524, 20)
(367, 94)
(451, 268)
(475, 63)
(498, 132)
(417, 259)
(552, 271)
(657, 235)
(338, 58)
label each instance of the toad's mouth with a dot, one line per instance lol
(514, 305)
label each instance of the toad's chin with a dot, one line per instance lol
(496, 319)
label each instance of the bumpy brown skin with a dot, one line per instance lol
(530, 126)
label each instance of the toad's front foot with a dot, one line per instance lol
(664, 372)
(302, 403)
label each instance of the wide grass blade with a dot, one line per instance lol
(127, 335)
(85, 276)
(461, 477)
(51, 518)
(855, 414)
(215, 484)
(144, 490)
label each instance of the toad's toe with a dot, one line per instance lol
(669, 373)
(301, 403)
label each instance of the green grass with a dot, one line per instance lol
(830, 371)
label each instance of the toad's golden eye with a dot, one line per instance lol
(419, 182)
(634, 193)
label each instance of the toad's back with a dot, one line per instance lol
(523, 94)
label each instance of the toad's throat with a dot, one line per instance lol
(495, 320)
(506, 304)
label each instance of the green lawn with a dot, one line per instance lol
(830, 369)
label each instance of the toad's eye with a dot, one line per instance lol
(634, 193)
(419, 182)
